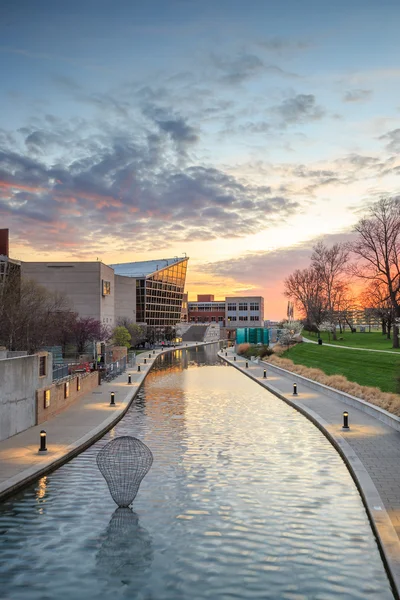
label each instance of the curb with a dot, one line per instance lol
(381, 525)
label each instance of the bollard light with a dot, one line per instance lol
(43, 441)
(145, 361)
(345, 420)
(234, 358)
(129, 379)
(265, 374)
(138, 368)
(149, 355)
(295, 389)
(226, 354)
(247, 365)
(112, 401)
(154, 351)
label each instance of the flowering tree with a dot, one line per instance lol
(327, 326)
(291, 333)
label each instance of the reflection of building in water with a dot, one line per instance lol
(126, 551)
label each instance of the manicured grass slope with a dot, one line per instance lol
(374, 340)
(366, 368)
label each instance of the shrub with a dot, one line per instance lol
(241, 348)
(385, 400)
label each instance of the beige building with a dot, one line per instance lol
(90, 286)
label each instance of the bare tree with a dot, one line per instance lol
(377, 251)
(330, 267)
(304, 287)
(376, 301)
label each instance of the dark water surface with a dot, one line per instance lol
(245, 499)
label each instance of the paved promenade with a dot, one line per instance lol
(77, 427)
(370, 448)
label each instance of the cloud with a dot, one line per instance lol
(299, 109)
(136, 189)
(357, 95)
(183, 134)
(243, 67)
(281, 45)
(393, 140)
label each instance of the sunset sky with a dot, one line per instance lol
(238, 132)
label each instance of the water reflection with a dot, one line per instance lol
(126, 551)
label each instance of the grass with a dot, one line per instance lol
(365, 368)
(373, 340)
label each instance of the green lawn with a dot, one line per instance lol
(366, 368)
(374, 339)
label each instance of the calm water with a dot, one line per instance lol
(245, 499)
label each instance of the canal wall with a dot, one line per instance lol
(20, 377)
(57, 397)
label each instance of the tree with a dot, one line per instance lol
(121, 336)
(291, 333)
(376, 301)
(377, 251)
(329, 327)
(87, 329)
(136, 330)
(330, 267)
(304, 287)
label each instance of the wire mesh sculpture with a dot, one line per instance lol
(124, 462)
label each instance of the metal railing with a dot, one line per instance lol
(114, 369)
(60, 371)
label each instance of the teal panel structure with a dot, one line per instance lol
(252, 335)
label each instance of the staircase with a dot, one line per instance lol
(195, 333)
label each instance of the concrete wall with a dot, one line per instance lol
(19, 380)
(57, 399)
(125, 297)
(107, 301)
(79, 281)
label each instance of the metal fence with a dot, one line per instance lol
(59, 372)
(114, 369)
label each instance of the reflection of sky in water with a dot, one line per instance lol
(245, 499)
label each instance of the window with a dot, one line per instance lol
(254, 306)
(106, 287)
(254, 318)
(231, 319)
(243, 318)
(220, 319)
(46, 398)
(232, 306)
(42, 366)
(213, 319)
(243, 305)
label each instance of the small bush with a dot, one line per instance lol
(241, 348)
(385, 400)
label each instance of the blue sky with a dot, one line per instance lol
(238, 132)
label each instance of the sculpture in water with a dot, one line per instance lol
(124, 462)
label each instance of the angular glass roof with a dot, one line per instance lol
(144, 268)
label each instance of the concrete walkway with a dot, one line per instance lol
(370, 448)
(308, 341)
(73, 430)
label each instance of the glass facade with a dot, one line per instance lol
(159, 295)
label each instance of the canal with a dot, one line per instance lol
(245, 499)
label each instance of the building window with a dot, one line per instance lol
(243, 305)
(220, 319)
(46, 398)
(254, 306)
(232, 306)
(231, 318)
(213, 319)
(254, 318)
(106, 287)
(42, 366)
(243, 318)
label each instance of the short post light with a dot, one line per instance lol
(149, 355)
(129, 379)
(234, 359)
(112, 400)
(43, 437)
(154, 351)
(247, 365)
(138, 368)
(345, 421)
(295, 389)
(265, 374)
(226, 354)
(145, 361)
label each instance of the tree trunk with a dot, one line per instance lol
(395, 336)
